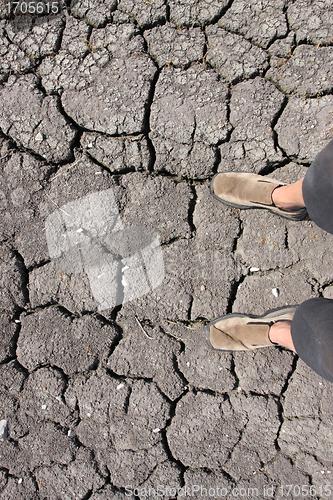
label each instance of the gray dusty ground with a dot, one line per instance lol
(151, 98)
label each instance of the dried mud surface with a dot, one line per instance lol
(150, 99)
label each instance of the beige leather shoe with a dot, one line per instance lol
(245, 190)
(238, 332)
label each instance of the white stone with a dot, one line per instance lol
(3, 430)
(39, 137)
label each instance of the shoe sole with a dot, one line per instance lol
(246, 207)
(272, 313)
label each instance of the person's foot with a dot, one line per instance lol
(280, 333)
(246, 190)
(239, 332)
(289, 197)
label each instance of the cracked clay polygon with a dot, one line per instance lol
(253, 107)
(94, 12)
(311, 20)
(88, 341)
(234, 57)
(146, 13)
(308, 72)
(34, 36)
(147, 353)
(195, 12)
(260, 22)
(305, 126)
(33, 120)
(169, 45)
(114, 101)
(196, 100)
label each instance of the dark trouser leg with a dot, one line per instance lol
(312, 334)
(318, 189)
(312, 326)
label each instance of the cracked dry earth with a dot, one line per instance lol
(151, 99)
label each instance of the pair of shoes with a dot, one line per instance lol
(245, 190)
(238, 332)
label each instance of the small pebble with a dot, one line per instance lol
(3, 430)
(20, 480)
(39, 137)
(90, 145)
(254, 269)
(44, 407)
(275, 292)
(70, 433)
(120, 386)
(156, 430)
(202, 288)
